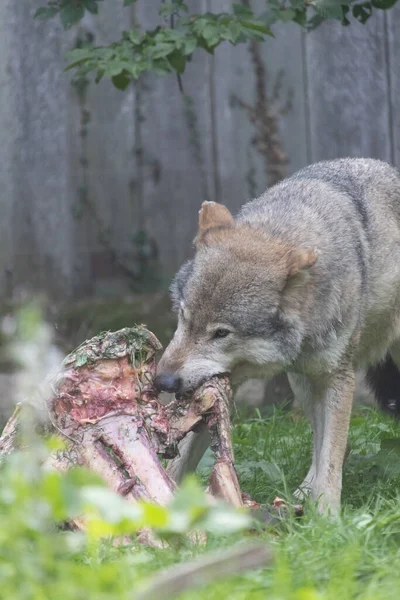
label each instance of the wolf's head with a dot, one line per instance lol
(240, 303)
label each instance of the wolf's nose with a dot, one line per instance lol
(167, 383)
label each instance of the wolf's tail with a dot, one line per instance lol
(384, 381)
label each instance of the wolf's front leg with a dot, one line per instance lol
(332, 407)
(303, 391)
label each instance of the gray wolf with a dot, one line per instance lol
(306, 279)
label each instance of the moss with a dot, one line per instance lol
(136, 342)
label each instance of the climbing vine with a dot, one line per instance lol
(171, 45)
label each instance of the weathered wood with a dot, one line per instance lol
(284, 60)
(176, 150)
(348, 90)
(206, 569)
(110, 173)
(37, 140)
(392, 33)
(149, 159)
(241, 168)
(8, 128)
(9, 435)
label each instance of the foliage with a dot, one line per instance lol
(171, 45)
(37, 560)
(354, 556)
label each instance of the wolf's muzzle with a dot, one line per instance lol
(167, 383)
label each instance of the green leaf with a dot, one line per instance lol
(177, 60)
(78, 57)
(129, 2)
(161, 67)
(45, 12)
(154, 515)
(71, 14)
(240, 10)
(211, 34)
(331, 12)
(99, 75)
(383, 4)
(189, 495)
(79, 53)
(111, 507)
(286, 15)
(314, 22)
(77, 63)
(121, 81)
(362, 12)
(81, 360)
(301, 17)
(135, 36)
(169, 8)
(190, 45)
(270, 17)
(297, 4)
(91, 6)
(391, 445)
(329, 9)
(203, 44)
(163, 49)
(345, 20)
(225, 520)
(231, 31)
(387, 459)
(257, 26)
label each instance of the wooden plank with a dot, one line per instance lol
(41, 221)
(8, 126)
(348, 90)
(241, 169)
(392, 24)
(105, 163)
(284, 56)
(175, 150)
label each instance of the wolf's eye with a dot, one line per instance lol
(221, 333)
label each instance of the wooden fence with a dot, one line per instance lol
(83, 170)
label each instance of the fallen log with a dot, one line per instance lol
(206, 569)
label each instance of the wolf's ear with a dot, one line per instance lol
(213, 216)
(300, 259)
(298, 262)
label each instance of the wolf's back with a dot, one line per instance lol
(369, 185)
(350, 208)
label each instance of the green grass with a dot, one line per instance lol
(354, 556)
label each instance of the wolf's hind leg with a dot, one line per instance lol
(384, 380)
(329, 414)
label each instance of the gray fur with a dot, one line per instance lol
(340, 314)
(177, 288)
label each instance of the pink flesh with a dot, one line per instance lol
(122, 427)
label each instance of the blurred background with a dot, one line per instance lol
(100, 188)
